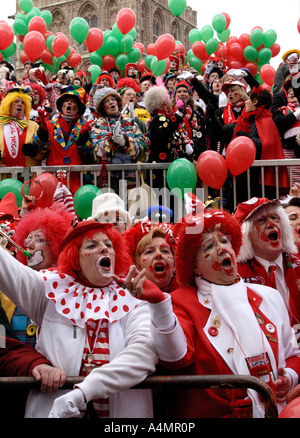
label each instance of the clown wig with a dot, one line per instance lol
(126, 83)
(68, 260)
(54, 221)
(37, 87)
(287, 236)
(10, 97)
(190, 236)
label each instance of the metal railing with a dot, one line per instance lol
(171, 382)
(94, 171)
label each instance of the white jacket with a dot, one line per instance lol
(132, 355)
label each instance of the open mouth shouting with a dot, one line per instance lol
(226, 263)
(104, 266)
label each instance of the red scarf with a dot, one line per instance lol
(270, 139)
(228, 114)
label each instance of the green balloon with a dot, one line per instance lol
(148, 61)
(223, 36)
(264, 56)
(212, 46)
(20, 27)
(49, 42)
(256, 37)
(126, 43)
(177, 7)
(32, 13)
(11, 185)
(269, 38)
(47, 16)
(121, 61)
(25, 5)
(79, 29)
(158, 67)
(219, 22)
(250, 53)
(181, 177)
(116, 32)
(195, 35)
(207, 32)
(96, 59)
(196, 63)
(132, 33)
(83, 200)
(95, 71)
(20, 16)
(113, 46)
(10, 51)
(134, 55)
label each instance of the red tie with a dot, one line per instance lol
(272, 277)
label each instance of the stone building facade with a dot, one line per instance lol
(153, 18)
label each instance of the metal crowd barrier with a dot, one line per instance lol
(94, 172)
(170, 382)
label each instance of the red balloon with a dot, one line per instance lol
(212, 169)
(165, 46)
(7, 35)
(240, 154)
(234, 63)
(179, 48)
(46, 57)
(291, 410)
(228, 19)
(267, 74)
(1, 57)
(126, 20)
(231, 40)
(275, 49)
(34, 44)
(151, 49)
(236, 50)
(43, 188)
(244, 40)
(94, 40)
(199, 50)
(109, 62)
(74, 60)
(37, 23)
(252, 67)
(223, 51)
(139, 46)
(47, 34)
(60, 45)
(24, 58)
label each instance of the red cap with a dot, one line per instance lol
(80, 228)
(8, 207)
(246, 209)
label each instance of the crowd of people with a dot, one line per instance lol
(113, 299)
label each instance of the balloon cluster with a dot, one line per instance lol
(211, 167)
(252, 50)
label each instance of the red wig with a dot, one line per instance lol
(68, 260)
(125, 83)
(54, 221)
(189, 241)
(37, 87)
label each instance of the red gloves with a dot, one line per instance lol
(86, 127)
(151, 293)
(40, 75)
(43, 117)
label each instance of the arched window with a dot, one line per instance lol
(58, 22)
(157, 25)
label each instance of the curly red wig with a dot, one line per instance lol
(41, 91)
(54, 221)
(189, 241)
(125, 83)
(68, 260)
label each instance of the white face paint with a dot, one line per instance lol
(104, 266)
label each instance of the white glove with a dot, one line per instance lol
(61, 192)
(297, 114)
(131, 110)
(185, 75)
(118, 136)
(293, 63)
(237, 73)
(69, 405)
(189, 149)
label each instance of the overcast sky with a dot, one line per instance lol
(280, 15)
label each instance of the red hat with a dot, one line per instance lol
(226, 85)
(8, 207)
(105, 75)
(82, 227)
(190, 238)
(246, 209)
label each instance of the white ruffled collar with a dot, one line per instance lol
(80, 303)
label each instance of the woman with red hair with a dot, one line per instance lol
(220, 325)
(87, 325)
